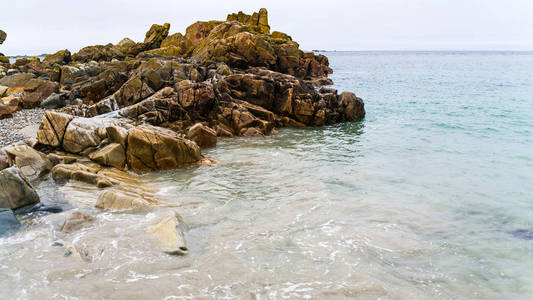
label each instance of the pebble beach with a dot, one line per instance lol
(22, 125)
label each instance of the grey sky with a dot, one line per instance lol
(37, 26)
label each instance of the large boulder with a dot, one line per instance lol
(168, 234)
(60, 57)
(15, 190)
(153, 148)
(32, 163)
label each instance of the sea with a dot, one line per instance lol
(429, 197)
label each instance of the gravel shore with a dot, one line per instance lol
(22, 125)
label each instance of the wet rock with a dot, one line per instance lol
(38, 209)
(124, 199)
(15, 190)
(8, 221)
(202, 135)
(168, 234)
(84, 172)
(76, 221)
(32, 163)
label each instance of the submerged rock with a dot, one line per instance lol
(168, 234)
(76, 221)
(124, 199)
(15, 190)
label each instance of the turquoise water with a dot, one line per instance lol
(449, 136)
(420, 200)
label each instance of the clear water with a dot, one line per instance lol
(418, 201)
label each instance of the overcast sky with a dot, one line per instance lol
(44, 26)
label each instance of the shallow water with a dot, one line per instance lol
(420, 200)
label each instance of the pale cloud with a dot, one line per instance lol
(46, 26)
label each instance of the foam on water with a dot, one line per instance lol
(428, 197)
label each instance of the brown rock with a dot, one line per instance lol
(156, 35)
(8, 106)
(202, 135)
(152, 148)
(122, 199)
(113, 155)
(60, 57)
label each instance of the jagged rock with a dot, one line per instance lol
(113, 155)
(15, 190)
(258, 19)
(76, 221)
(168, 234)
(60, 57)
(202, 135)
(32, 163)
(156, 35)
(77, 73)
(152, 148)
(52, 129)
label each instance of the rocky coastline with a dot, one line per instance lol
(109, 113)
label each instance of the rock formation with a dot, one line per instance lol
(152, 105)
